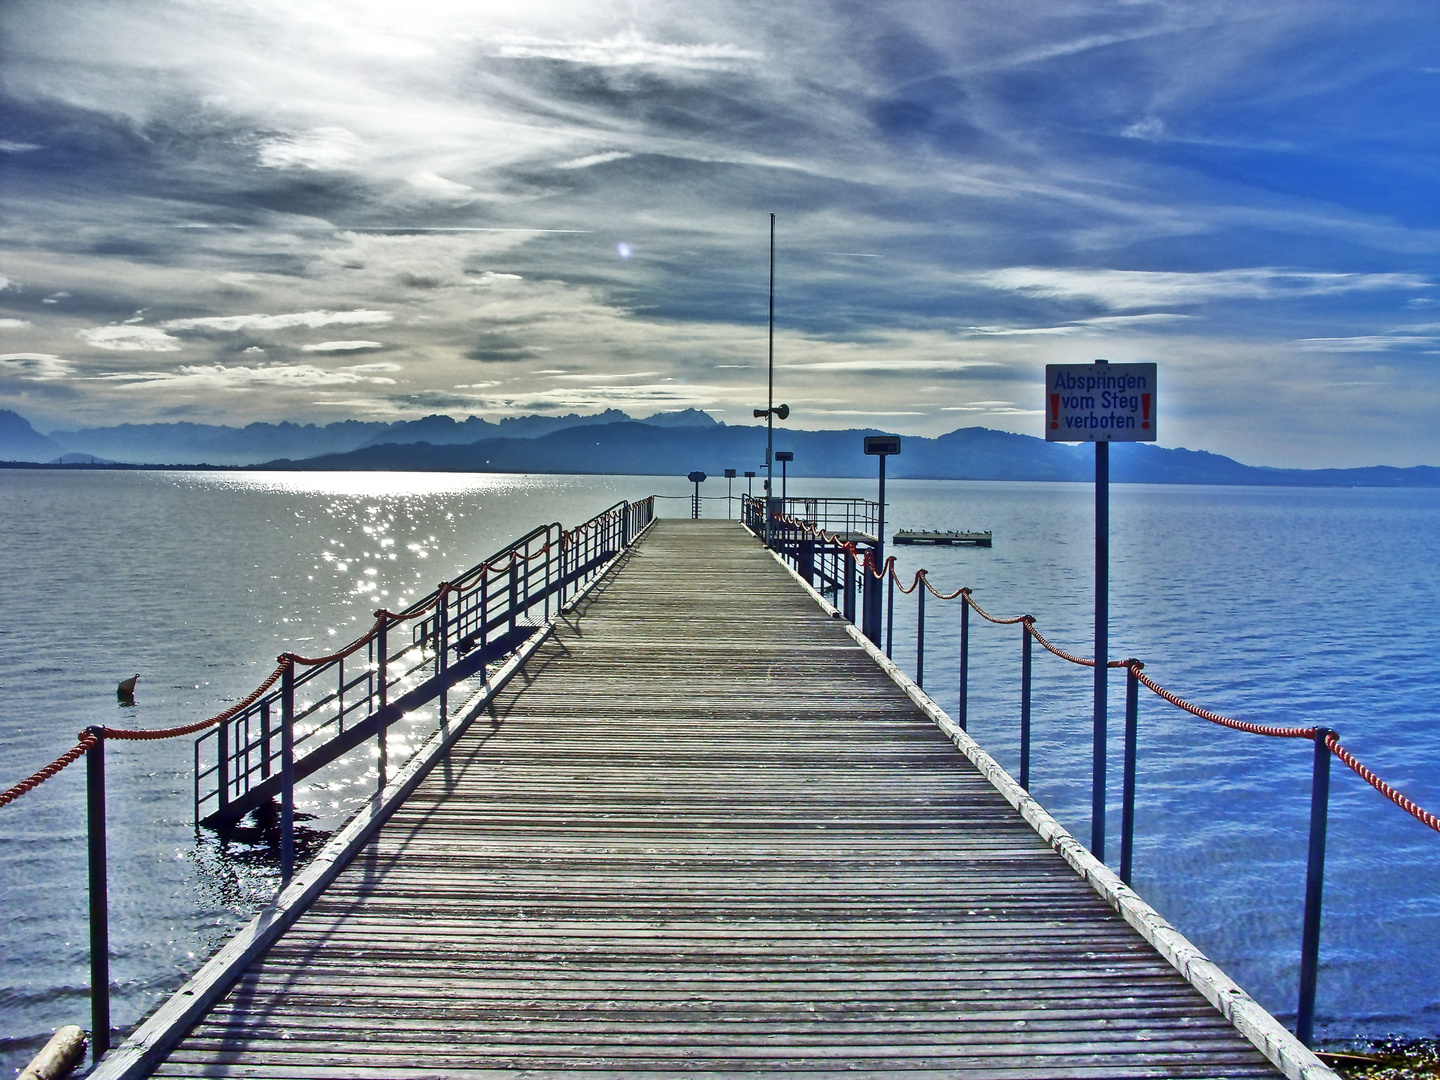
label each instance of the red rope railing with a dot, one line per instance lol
(1331, 740)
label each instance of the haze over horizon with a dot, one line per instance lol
(225, 213)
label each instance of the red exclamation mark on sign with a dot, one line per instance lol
(1055, 411)
(1145, 411)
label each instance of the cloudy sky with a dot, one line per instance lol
(270, 209)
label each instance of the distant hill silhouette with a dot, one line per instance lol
(216, 444)
(21, 442)
(975, 453)
(665, 443)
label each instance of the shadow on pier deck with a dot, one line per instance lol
(705, 833)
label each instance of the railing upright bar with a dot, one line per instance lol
(222, 761)
(889, 615)
(1314, 888)
(287, 770)
(964, 718)
(484, 605)
(382, 679)
(849, 572)
(442, 647)
(99, 897)
(1025, 704)
(1127, 796)
(920, 636)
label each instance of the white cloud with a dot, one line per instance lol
(223, 377)
(129, 338)
(1080, 326)
(341, 346)
(13, 324)
(320, 148)
(439, 187)
(595, 159)
(18, 147)
(40, 366)
(893, 364)
(1148, 288)
(629, 50)
(592, 376)
(1370, 343)
(311, 319)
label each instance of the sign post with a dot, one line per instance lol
(881, 446)
(784, 457)
(1100, 403)
(697, 478)
(729, 494)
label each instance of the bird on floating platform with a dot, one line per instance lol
(125, 692)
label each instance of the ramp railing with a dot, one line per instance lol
(311, 710)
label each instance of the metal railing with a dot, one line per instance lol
(248, 753)
(325, 707)
(820, 536)
(797, 540)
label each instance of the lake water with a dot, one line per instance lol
(1280, 606)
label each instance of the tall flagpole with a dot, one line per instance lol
(770, 394)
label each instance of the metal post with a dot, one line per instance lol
(1314, 888)
(847, 569)
(287, 770)
(99, 897)
(872, 591)
(770, 392)
(222, 770)
(382, 672)
(1025, 704)
(485, 603)
(1127, 797)
(889, 612)
(920, 592)
(442, 646)
(1102, 646)
(963, 719)
(265, 739)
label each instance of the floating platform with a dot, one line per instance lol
(937, 536)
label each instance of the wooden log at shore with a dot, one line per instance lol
(65, 1048)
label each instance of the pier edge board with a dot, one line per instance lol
(159, 1033)
(1279, 1045)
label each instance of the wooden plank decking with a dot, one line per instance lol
(706, 834)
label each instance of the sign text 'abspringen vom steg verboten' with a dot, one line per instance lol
(1100, 402)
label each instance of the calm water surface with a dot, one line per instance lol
(1278, 606)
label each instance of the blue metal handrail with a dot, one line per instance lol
(324, 710)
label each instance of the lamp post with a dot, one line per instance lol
(881, 446)
(784, 457)
(697, 478)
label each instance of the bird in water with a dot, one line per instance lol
(125, 692)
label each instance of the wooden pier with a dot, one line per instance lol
(705, 832)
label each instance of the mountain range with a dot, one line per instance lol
(615, 443)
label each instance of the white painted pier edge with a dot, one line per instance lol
(1251, 1019)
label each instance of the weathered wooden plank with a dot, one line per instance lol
(707, 835)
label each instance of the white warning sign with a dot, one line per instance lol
(1100, 402)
